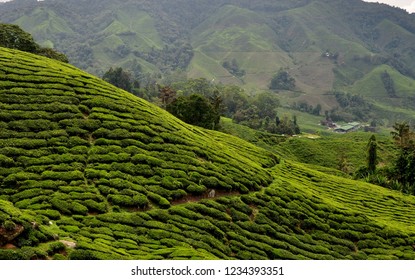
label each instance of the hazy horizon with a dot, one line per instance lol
(404, 4)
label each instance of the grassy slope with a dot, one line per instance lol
(130, 27)
(236, 33)
(43, 22)
(113, 174)
(327, 150)
(321, 150)
(371, 87)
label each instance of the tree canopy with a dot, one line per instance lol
(282, 81)
(13, 37)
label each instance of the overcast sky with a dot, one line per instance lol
(409, 5)
(405, 4)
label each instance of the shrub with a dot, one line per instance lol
(81, 254)
(122, 200)
(177, 194)
(164, 203)
(10, 255)
(59, 257)
(51, 214)
(63, 206)
(140, 200)
(9, 225)
(92, 205)
(6, 161)
(170, 183)
(160, 191)
(238, 216)
(210, 182)
(55, 247)
(184, 212)
(78, 208)
(196, 189)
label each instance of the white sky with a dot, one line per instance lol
(409, 5)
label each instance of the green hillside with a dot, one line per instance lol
(91, 172)
(324, 45)
(240, 34)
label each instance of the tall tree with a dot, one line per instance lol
(402, 133)
(404, 167)
(167, 95)
(372, 157)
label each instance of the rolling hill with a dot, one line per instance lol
(325, 45)
(89, 171)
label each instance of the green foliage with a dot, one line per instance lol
(81, 254)
(9, 225)
(234, 68)
(119, 78)
(282, 81)
(13, 37)
(388, 84)
(196, 189)
(352, 107)
(195, 109)
(55, 247)
(372, 158)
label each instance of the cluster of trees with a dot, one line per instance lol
(13, 37)
(233, 68)
(173, 57)
(282, 81)
(400, 174)
(195, 108)
(200, 102)
(122, 79)
(389, 84)
(352, 107)
(262, 115)
(303, 106)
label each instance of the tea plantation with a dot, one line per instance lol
(88, 171)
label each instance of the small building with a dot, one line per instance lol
(350, 127)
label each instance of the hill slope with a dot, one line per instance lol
(325, 45)
(89, 171)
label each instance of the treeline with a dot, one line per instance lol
(174, 57)
(13, 37)
(351, 107)
(200, 102)
(399, 174)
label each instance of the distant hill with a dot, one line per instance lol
(325, 45)
(88, 171)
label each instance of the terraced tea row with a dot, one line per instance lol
(276, 223)
(104, 147)
(386, 207)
